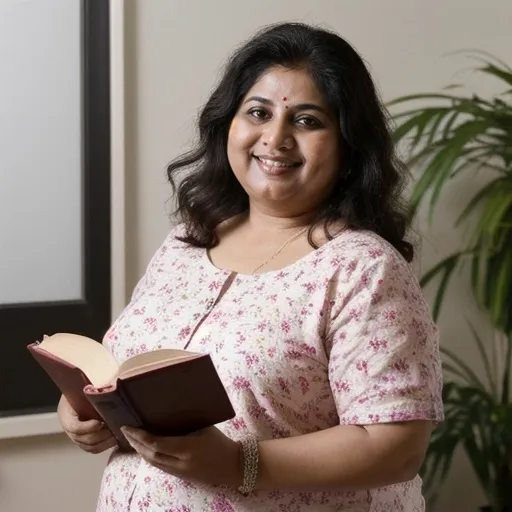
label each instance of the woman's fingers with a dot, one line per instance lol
(79, 428)
(92, 438)
(91, 435)
(70, 421)
(99, 447)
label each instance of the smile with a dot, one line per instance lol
(276, 167)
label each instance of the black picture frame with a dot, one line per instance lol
(24, 387)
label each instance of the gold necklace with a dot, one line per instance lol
(289, 241)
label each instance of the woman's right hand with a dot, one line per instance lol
(92, 436)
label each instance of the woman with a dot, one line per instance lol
(291, 269)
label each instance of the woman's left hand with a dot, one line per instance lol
(206, 456)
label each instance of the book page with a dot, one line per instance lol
(153, 360)
(84, 353)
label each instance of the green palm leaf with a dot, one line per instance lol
(467, 409)
(501, 300)
(502, 73)
(483, 193)
(445, 267)
(485, 359)
(417, 123)
(445, 160)
(470, 376)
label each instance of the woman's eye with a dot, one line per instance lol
(308, 122)
(258, 113)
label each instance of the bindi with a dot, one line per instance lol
(285, 99)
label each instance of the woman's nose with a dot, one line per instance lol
(278, 135)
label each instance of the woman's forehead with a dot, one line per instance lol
(287, 84)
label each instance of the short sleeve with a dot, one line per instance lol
(384, 363)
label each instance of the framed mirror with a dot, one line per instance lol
(55, 220)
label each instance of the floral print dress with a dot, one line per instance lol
(342, 336)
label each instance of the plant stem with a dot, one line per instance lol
(505, 392)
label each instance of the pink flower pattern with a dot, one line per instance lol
(342, 336)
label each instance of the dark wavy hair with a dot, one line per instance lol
(368, 193)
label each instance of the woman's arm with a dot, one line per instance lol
(349, 457)
(343, 457)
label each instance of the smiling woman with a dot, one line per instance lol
(291, 269)
(285, 151)
(322, 84)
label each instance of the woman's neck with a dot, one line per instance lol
(264, 221)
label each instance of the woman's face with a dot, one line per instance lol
(284, 144)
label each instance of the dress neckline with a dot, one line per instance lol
(272, 273)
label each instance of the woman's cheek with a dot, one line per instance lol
(242, 134)
(324, 150)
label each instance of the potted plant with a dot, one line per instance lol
(453, 135)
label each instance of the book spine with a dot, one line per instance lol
(116, 411)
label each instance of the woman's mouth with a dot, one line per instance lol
(276, 166)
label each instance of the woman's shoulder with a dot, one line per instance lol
(175, 233)
(357, 256)
(365, 247)
(175, 237)
(369, 266)
(173, 243)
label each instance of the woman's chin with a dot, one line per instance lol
(275, 193)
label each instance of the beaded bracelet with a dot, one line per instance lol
(251, 454)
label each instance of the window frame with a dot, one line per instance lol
(28, 390)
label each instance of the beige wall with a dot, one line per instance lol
(173, 54)
(46, 474)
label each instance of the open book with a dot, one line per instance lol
(166, 392)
